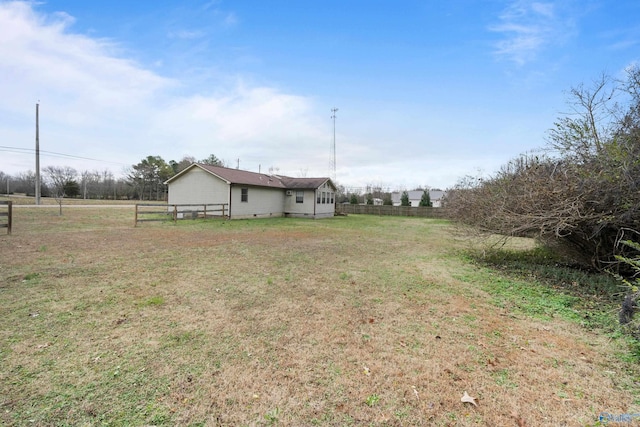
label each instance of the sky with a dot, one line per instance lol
(427, 92)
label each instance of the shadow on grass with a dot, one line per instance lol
(538, 283)
(546, 268)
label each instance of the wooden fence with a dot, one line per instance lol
(164, 212)
(420, 211)
(8, 214)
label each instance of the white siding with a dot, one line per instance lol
(306, 208)
(197, 186)
(328, 208)
(262, 202)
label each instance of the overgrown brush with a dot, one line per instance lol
(630, 305)
(582, 197)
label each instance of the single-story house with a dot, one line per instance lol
(415, 196)
(251, 194)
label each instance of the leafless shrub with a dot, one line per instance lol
(584, 194)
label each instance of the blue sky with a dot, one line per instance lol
(427, 91)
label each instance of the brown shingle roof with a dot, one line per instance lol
(302, 183)
(237, 176)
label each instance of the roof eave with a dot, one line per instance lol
(191, 166)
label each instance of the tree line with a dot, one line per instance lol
(145, 181)
(142, 181)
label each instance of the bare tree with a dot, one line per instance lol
(582, 131)
(582, 202)
(25, 182)
(107, 185)
(61, 179)
(4, 182)
(90, 181)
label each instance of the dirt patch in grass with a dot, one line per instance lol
(348, 321)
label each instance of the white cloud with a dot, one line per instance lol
(622, 38)
(546, 10)
(529, 27)
(186, 34)
(230, 20)
(210, 4)
(256, 124)
(76, 75)
(97, 103)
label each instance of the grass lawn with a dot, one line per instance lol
(357, 320)
(21, 199)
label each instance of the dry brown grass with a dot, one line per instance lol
(349, 321)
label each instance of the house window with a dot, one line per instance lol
(324, 197)
(299, 196)
(318, 201)
(331, 194)
(244, 197)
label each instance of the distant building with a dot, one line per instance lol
(416, 195)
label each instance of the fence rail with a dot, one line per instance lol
(8, 214)
(419, 211)
(164, 212)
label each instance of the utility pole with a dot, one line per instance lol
(37, 154)
(332, 162)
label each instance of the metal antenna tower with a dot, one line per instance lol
(332, 162)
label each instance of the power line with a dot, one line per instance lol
(53, 154)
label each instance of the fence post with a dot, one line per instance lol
(9, 216)
(175, 213)
(135, 223)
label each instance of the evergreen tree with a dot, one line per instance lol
(148, 177)
(71, 188)
(426, 199)
(213, 160)
(404, 200)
